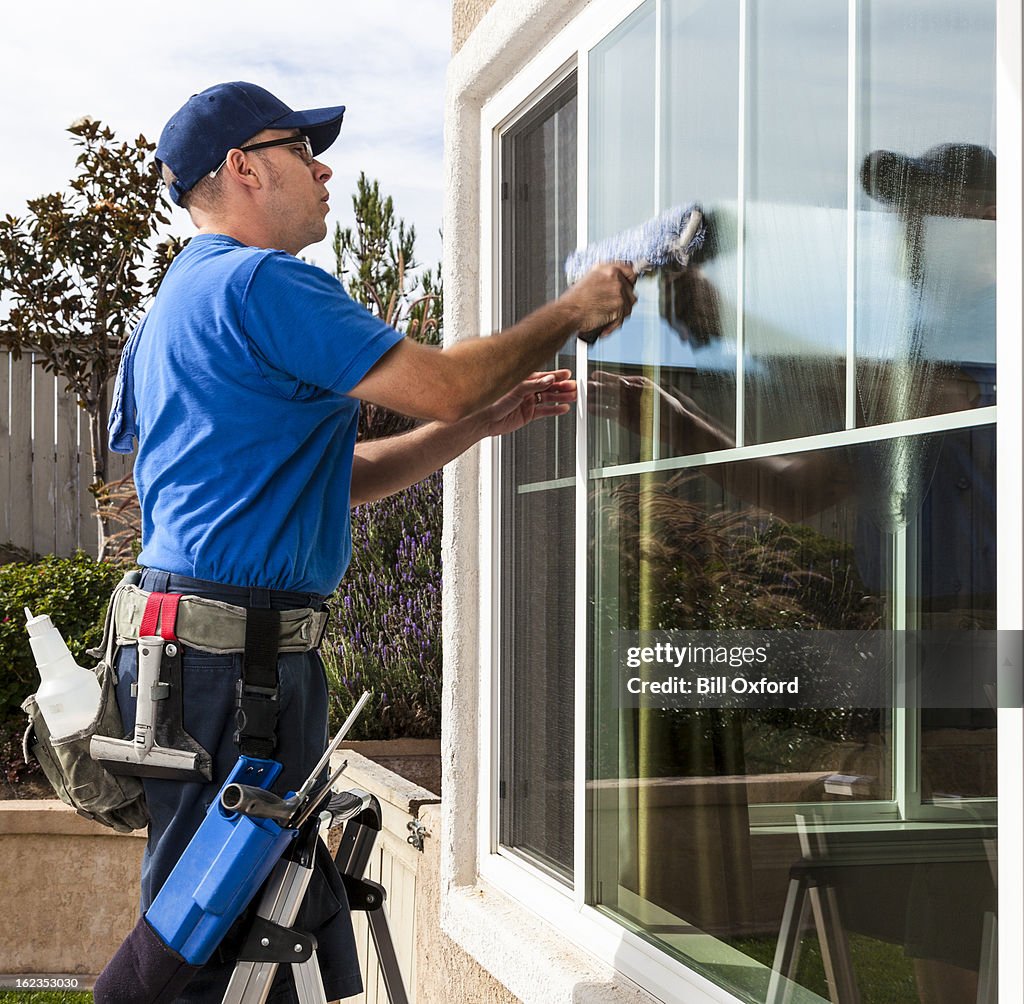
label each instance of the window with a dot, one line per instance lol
(538, 225)
(797, 432)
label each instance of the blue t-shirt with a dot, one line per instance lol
(236, 386)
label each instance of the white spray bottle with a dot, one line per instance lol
(69, 695)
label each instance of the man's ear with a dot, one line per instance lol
(243, 169)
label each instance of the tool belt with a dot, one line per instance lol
(223, 628)
(109, 793)
(217, 627)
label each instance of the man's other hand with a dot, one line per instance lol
(540, 395)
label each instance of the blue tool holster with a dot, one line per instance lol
(220, 872)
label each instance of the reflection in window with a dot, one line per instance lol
(847, 283)
(795, 201)
(682, 334)
(744, 798)
(925, 328)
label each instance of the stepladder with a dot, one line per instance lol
(271, 939)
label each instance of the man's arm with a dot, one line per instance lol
(384, 466)
(456, 382)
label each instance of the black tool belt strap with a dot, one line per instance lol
(257, 698)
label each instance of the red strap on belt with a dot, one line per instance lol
(169, 616)
(162, 607)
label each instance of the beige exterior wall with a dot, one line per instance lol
(466, 15)
(70, 889)
(444, 971)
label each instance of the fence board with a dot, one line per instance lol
(67, 471)
(45, 463)
(44, 495)
(87, 531)
(403, 904)
(21, 454)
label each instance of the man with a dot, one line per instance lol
(242, 386)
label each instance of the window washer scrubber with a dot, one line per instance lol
(665, 242)
(68, 694)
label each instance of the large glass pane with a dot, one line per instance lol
(537, 525)
(622, 117)
(925, 319)
(681, 338)
(795, 210)
(704, 820)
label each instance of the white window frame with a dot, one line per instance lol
(507, 873)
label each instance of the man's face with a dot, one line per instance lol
(296, 191)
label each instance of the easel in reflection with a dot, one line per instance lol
(812, 888)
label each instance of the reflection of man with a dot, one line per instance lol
(950, 179)
(941, 484)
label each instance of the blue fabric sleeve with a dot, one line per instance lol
(122, 423)
(302, 323)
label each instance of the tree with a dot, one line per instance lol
(378, 260)
(78, 268)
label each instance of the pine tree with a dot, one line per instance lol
(377, 259)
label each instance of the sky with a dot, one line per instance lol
(132, 65)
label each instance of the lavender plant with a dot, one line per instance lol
(385, 631)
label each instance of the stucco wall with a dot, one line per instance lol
(466, 16)
(444, 971)
(70, 889)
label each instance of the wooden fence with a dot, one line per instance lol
(45, 466)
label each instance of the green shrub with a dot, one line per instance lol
(385, 631)
(73, 591)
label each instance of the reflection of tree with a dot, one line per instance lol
(700, 568)
(688, 563)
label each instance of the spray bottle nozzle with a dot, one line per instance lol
(37, 625)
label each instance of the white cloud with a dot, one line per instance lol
(132, 65)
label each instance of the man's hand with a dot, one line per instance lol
(540, 395)
(603, 298)
(385, 466)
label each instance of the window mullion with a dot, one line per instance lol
(852, 181)
(655, 372)
(581, 677)
(741, 236)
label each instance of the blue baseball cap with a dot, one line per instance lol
(199, 135)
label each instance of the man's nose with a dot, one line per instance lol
(321, 171)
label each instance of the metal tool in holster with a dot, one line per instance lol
(159, 746)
